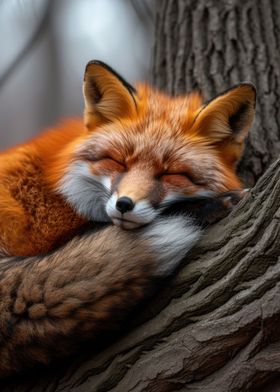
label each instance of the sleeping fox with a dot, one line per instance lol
(136, 151)
(138, 157)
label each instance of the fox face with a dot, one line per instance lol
(144, 149)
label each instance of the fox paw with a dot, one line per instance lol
(220, 206)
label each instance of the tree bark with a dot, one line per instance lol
(215, 326)
(211, 45)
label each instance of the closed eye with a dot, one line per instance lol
(106, 159)
(107, 166)
(111, 160)
(195, 180)
(187, 176)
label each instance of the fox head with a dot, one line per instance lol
(144, 148)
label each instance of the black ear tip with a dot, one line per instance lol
(251, 86)
(131, 89)
(95, 62)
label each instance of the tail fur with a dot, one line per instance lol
(50, 304)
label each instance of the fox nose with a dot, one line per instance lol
(124, 204)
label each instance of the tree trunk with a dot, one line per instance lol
(216, 326)
(211, 45)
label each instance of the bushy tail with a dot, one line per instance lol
(50, 304)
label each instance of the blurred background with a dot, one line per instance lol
(45, 45)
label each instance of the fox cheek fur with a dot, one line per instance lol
(87, 193)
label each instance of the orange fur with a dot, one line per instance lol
(33, 218)
(151, 144)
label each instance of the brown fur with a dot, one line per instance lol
(50, 304)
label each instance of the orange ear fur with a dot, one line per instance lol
(226, 120)
(229, 115)
(107, 95)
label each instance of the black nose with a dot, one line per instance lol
(124, 204)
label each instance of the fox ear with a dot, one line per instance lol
(229, 115)
(226, 120)
(107, 95)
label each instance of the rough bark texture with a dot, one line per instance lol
(211, 45)
(216, 326)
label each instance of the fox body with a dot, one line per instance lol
(134, 152)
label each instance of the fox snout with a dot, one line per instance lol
(130, 205)
(124, 204)
(129, 213)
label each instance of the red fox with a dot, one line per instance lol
(138, 154)
(136, 151)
